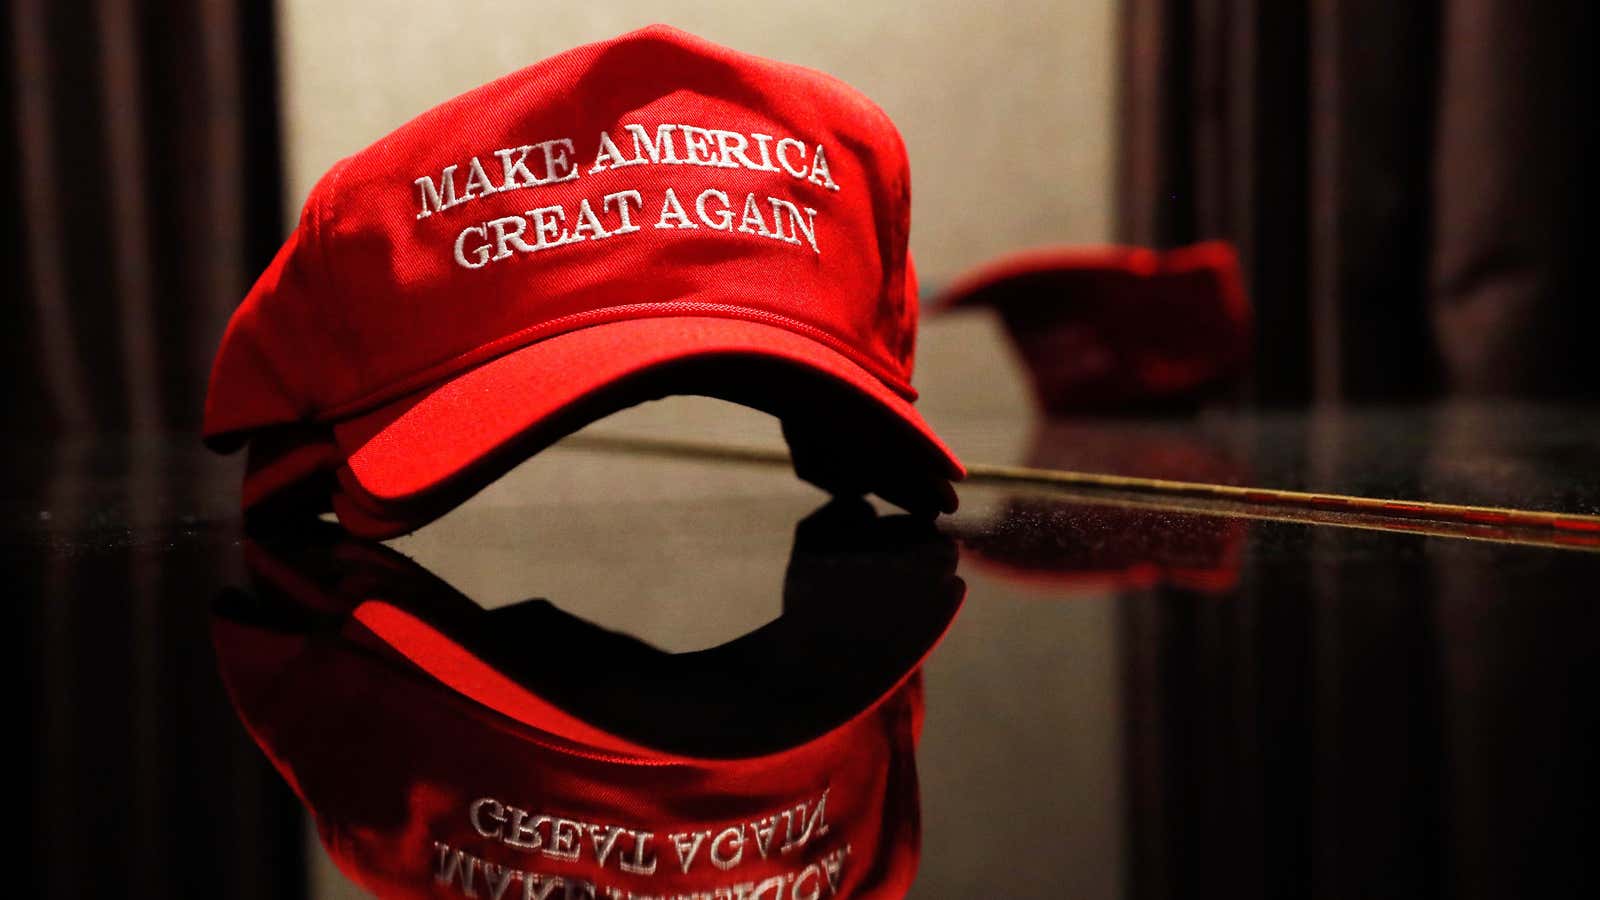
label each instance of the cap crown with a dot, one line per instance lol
(655, 174)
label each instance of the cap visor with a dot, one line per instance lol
(480, 424)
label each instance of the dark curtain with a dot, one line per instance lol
(140, 780)
(1407, 184)
(143, 167)
(1405, 181)
(140, 159)
(1375, 724)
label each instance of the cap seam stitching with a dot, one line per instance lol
(575, 321)
(322, 215)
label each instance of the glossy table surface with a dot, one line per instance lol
(1055, 692)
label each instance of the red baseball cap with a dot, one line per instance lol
(648, 215)
(1118, 328)
(440, 746)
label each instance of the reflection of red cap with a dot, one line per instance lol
(402, 715)
(1109, 328)
(651, 214)
(1067, 545)
(1074, 544)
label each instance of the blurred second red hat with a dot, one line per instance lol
(1118, 328)
(647, 215)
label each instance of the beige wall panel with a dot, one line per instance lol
(1006, 106)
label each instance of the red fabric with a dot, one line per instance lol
(283, 458)
(393, 705)
(391, 763)
(386, 293)
(1116, 328)
(517, 391)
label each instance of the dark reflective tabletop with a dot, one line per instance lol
(622, 673)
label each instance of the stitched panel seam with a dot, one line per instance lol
(576, 321)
